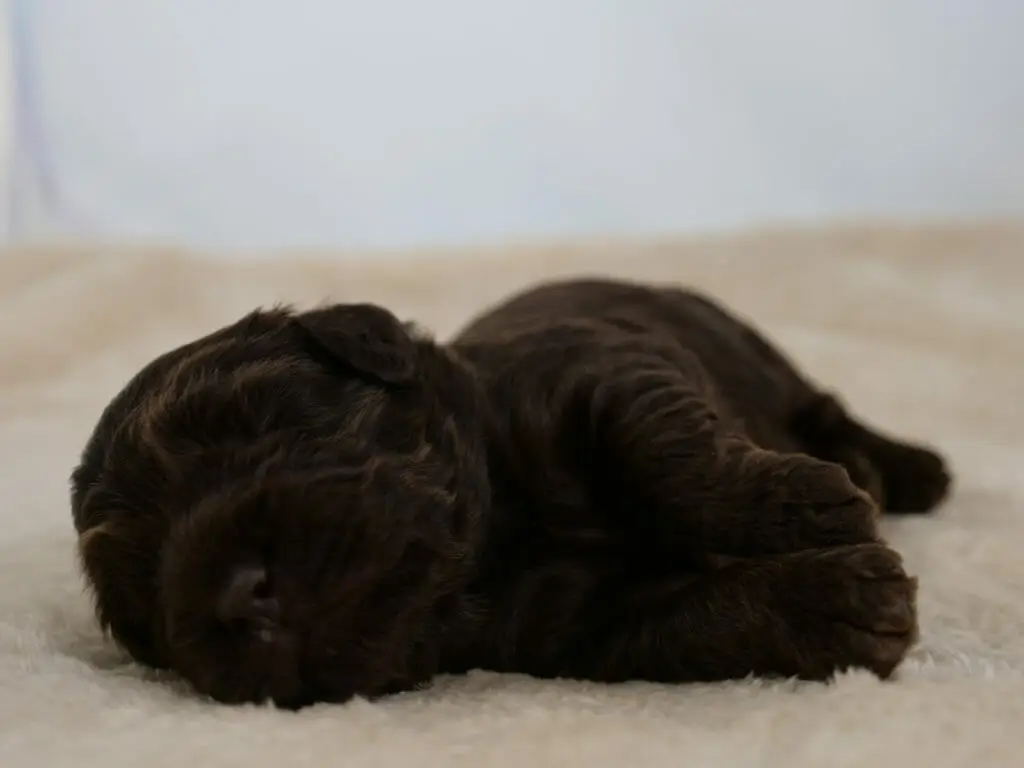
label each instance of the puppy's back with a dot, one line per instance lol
(755, 381)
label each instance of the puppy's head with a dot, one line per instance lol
(287, 508)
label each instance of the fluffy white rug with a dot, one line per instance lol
(922, 329)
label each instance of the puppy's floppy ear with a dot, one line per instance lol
(366, 337)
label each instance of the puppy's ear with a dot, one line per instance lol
(364, 337)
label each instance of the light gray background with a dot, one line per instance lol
(266, 123)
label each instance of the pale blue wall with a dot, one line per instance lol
(258, 123)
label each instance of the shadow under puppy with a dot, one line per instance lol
(594, 479)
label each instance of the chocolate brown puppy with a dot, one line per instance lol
(594, 480)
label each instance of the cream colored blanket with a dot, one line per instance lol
(923, 330)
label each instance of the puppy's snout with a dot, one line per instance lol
(248, 601)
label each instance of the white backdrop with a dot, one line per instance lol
(264, 123)
(6, 119)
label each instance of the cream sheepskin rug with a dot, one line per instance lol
(921, 328)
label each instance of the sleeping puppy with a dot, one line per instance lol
(595, 479)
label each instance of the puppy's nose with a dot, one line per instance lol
(248, 599)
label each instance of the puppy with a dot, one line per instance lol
(595, 479)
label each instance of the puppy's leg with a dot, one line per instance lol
(805, 615)
(902, 477)
(769, 503)
(709, 489)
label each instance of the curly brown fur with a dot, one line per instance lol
(594, 479)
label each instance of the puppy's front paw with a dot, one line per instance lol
(863, 615)
(817, 505)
